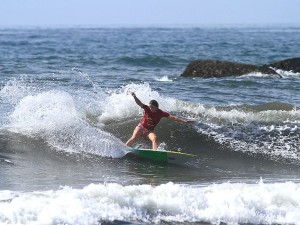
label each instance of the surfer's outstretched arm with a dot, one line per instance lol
(178, 119)
(137, 101)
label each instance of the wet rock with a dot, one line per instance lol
(216, 68)
(292, 64)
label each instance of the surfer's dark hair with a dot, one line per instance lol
(154, 102)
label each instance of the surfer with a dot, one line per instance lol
(152, 115)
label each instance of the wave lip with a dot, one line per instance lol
(277, 203)
(53, 116)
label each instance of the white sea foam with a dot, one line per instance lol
(120, 104)
(164, 79)
(16, 89)
(273, 133)
(287, 74)
(43, 112)
(53, 116)
(255, 74)
(231, 203)
(64, 120)
(282, 74)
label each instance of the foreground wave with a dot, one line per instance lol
(82, 121)
(231, 203)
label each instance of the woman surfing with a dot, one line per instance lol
(152, 116)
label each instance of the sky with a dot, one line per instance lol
(44, 13)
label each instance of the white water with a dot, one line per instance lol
(53, 116)
(164, 79)
(73, 122)
(231, 203)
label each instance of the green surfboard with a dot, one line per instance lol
(162, 155)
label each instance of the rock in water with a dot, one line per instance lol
(292, 64)
(216, 68)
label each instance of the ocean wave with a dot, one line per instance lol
(270, 130)
(280, 74)
(230, 203)
(16, 89)
(53, 117)
(82, 121)
(148, 61)
(164, 79)
(288, 74)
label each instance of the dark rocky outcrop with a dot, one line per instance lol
(292, 64)
(216, 68)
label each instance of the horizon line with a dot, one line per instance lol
(203, 25)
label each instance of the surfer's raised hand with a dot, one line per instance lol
(137, 101)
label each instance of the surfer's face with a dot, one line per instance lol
(153, 108)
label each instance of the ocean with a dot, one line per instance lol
(66, 112)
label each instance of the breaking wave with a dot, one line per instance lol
(230, 203)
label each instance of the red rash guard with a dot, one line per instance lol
(151, 119)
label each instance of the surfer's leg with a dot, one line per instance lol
(153, 137)
(135, 135)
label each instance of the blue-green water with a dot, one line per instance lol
(66, 111)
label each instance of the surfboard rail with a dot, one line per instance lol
(163, 156)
